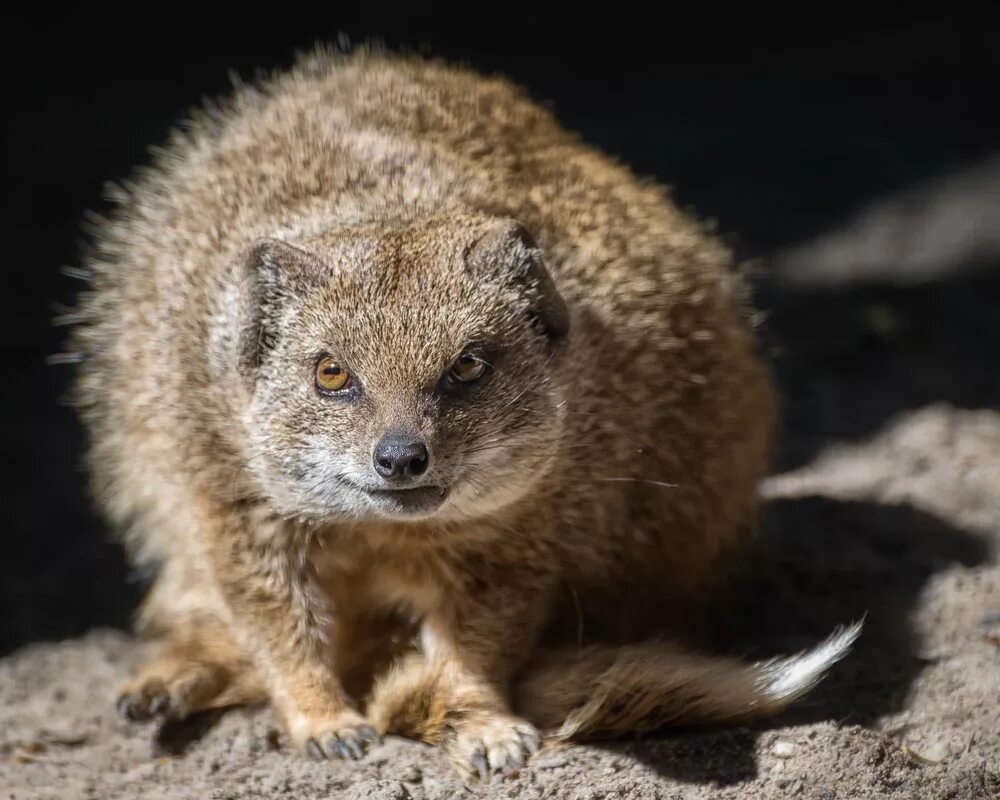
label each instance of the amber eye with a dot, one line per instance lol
(467, 368)
(331, 376)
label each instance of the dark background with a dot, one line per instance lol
(780, 128)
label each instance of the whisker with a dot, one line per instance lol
(78, 273)
(641, 480)
(63, 358)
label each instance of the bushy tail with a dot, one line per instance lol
(603, 692)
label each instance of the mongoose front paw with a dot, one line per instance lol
(174, 693)
(176, 688)
(488, 745)
(346, 736)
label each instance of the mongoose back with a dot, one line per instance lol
(431, 419)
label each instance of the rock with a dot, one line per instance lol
(783, 749)
(929, 751)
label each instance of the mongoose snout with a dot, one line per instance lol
(399, 458)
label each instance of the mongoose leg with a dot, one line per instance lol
(474, 644)
(439, 702)
(280, 615)
(189, 676)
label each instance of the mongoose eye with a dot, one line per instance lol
(467, 368)
(331, 376)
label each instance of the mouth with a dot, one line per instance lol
(418, 500)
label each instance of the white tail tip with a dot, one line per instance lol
(786, 679)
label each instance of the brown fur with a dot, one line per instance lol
(602, 482)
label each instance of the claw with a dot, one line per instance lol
(315, 751)
(494, 748)
(368, 734)
(344, 751)
(140, 704)
(158, 704)
(356, 751)
(478, 761)
(530, 740)
(134, 709)
(331, 746)
(345, 738)
(123, 707)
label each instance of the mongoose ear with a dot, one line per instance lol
(510, 250)
(271, 270)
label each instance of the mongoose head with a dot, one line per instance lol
(402, 371)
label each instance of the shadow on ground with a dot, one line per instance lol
(830, 562)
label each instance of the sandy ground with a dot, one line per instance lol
(885, 502)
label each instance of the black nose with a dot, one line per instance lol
(398, 456)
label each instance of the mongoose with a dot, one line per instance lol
(431, 419)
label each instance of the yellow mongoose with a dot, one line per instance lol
(432, 419)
